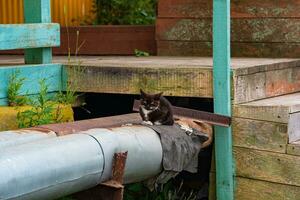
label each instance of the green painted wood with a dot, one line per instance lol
(37, 11)
(33, 73)
(222, 104)
(23, 36)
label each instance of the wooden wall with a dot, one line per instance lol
(259, 28)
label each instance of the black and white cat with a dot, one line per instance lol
(155, 109)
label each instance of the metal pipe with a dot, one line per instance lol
(17, 137)
(55, 167)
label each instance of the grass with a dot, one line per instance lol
(15, 84)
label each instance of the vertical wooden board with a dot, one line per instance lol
(52, 73)
(37, 11)
(222, 98)
(294, 127)
(267, 166)
(259, 135)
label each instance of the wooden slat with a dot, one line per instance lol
(239, 49)
(22, 36)
(33, 74)
(249, 189)
(243, 30)
(260, 135)
(183, 81)
(267, 166)
(276, 109)
(38, 11)
(239, 9)
(294, 149)
(266, 84)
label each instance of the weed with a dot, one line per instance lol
(15, 84)
(139, 53)
(42, 111)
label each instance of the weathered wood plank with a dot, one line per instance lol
(187, 81)
(38, 11)
(239, 9)
(22, 36)
(260, 135)
(33, 74)
(266, 84)
(294, 149)
(276, 109)
(267, 166)
(249, 189)
(239, 49)
(243, 30)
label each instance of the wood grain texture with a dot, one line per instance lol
(267, 166)
(22, 36)
(33, 74)
(266, 84)
(239, 49)
(242, 30)
(260, 135)
(249, 189)
(276, 109)
(294, 149)
(172, 81)
(239, 9)
(38, 11)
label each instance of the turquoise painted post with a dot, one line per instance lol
(37, 11)
(222, 103)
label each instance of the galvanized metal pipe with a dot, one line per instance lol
(55, 167)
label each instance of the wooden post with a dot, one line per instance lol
(222, 100)
(37, 11)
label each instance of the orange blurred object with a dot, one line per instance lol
(65, 12)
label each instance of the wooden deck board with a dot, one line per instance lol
(254, 78)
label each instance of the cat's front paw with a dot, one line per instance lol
(147, 123)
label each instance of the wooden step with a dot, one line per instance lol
(253, 78)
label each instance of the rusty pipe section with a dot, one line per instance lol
(55, 167)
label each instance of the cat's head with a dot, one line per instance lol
(150, 101)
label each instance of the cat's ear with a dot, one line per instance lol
(143, 94)
(157, 96)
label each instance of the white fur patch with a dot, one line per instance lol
(146, 112)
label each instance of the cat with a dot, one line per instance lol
(155, 109)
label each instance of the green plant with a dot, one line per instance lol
(139, 53)
(169, 192)
(42, 111)
(15, 84)
(121, 12)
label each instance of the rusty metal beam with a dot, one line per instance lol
(211, 118)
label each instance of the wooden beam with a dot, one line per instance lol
(222, 99)
(23, 36)
(37, 11)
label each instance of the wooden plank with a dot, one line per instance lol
(249, 189)
(23, 36)
(239, 49)
(38, 11)
(177, 81)
(33, 74)
(243, 30)
(222, 98)
(267, 166)
(260, 135)
(239, 9)
(294, 149)
(276, 109)
(266, 84)
(114, 40)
